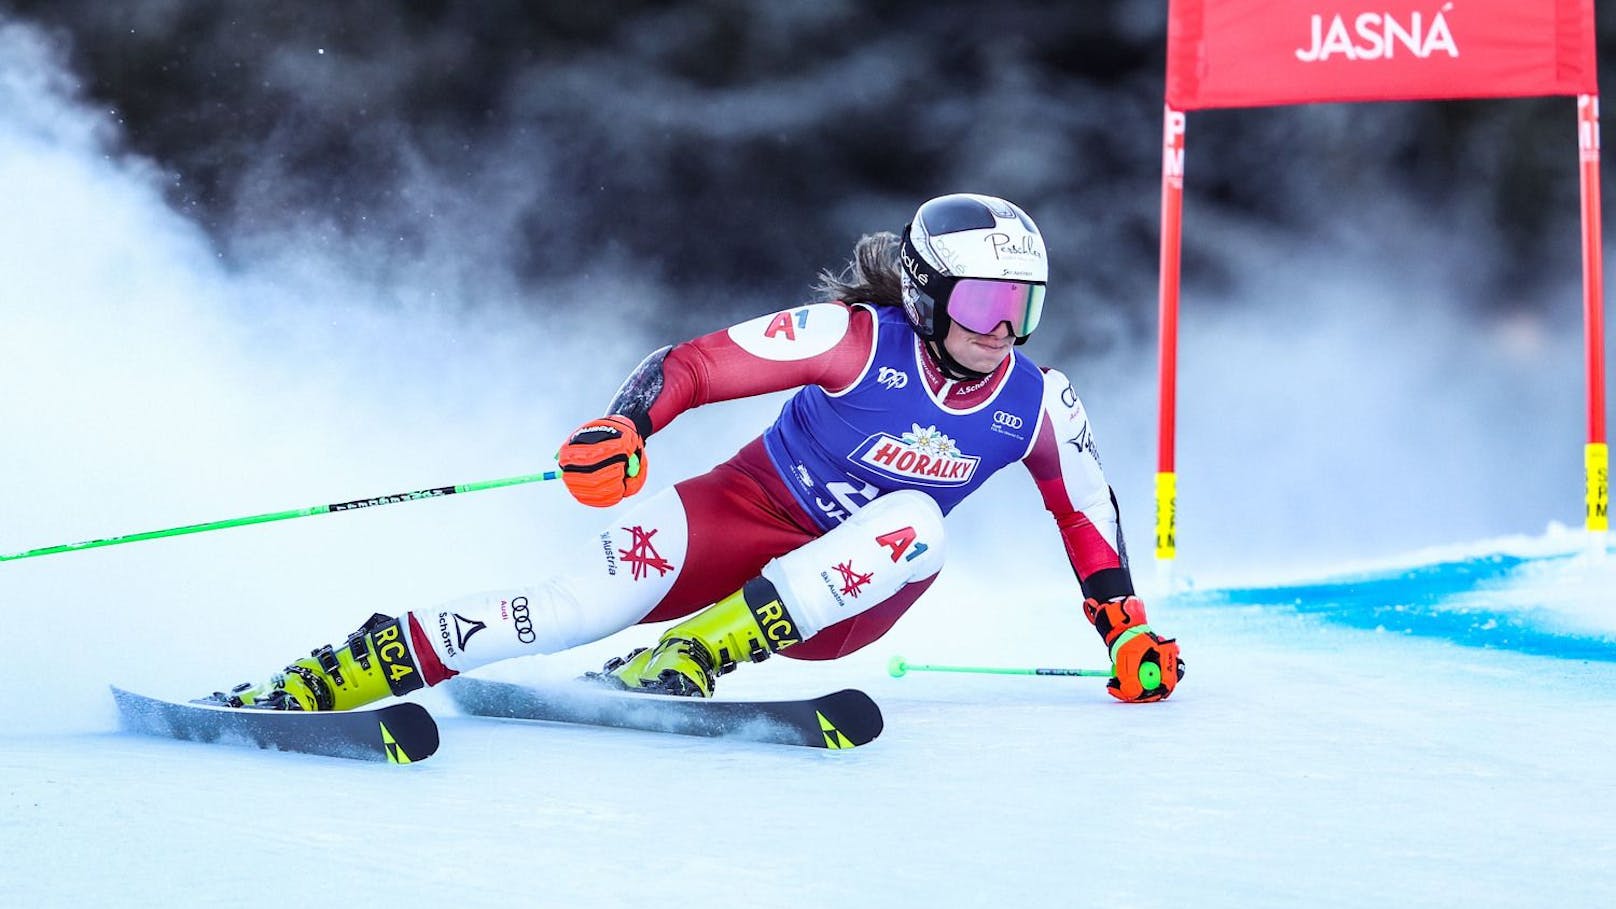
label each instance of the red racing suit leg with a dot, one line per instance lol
(740, 515)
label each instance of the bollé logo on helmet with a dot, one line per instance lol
(1377, 36)
(914, 269)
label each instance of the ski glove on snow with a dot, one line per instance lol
(1144, 665)
(603, 461)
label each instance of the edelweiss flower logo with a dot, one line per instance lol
(930, 441)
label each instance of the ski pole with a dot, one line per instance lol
(432, 493)
(898, 666)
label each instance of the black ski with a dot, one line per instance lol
(842, 719)
(400, 733)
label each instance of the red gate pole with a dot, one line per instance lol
(1596, 458)
(1167, 376)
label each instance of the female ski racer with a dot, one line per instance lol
(815, 537)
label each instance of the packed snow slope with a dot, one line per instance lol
(1304, 762)
(1364, 723)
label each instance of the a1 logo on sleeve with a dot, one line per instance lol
(793, 334)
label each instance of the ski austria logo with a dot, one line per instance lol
(1379, 36)
(923, 456)
(641, 556)
(853, 580)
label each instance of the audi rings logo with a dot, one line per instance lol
(1007, 420)
(523, 621)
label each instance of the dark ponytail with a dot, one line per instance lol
(870, 277)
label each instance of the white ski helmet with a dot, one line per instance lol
(976, 260)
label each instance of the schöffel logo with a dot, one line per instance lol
(1007, 420)
(1378, 36)
(922, 456)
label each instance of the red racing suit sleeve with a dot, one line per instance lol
(1065, 465)
(824, 344)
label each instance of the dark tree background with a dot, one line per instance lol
(725, 143)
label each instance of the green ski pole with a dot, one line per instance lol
(356, 504)
(898, 666)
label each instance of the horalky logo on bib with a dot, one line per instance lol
(922, 456)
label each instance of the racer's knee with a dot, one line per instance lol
(910, 526)
(893, 541)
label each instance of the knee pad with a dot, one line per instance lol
(893, 541)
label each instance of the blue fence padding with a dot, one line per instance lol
(1423, 600)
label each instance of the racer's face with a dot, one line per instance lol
(979, 352)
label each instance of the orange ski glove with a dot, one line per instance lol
(603, 461)
(1144, 665)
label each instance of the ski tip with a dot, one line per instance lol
(396, 733)
(421, 740)
(849, 718)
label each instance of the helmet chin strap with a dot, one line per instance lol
(951, 367)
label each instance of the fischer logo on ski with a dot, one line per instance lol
(395, 754)
(833, 736)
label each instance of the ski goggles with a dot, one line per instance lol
(980, 305)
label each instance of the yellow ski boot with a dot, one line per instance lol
(750, 624)
(374, 663)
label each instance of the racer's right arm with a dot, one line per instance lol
(824, 344)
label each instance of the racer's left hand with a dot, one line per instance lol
(1144, 665)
